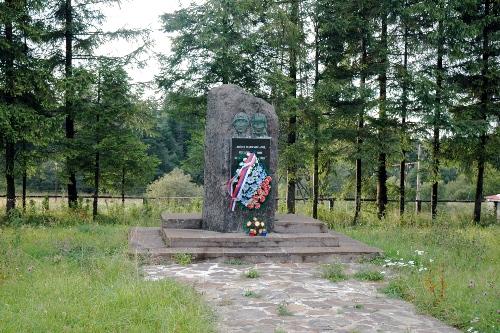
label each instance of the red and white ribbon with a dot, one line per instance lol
(240, 179)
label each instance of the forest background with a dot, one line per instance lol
(371, 95)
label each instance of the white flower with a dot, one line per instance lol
(420, 253)
(431, 260)
(387, 260)
(383, 272)
(411, 262)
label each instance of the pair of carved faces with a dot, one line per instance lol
(241, 122)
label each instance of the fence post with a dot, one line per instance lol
(418, 206)
(496, 210)
(331, 202)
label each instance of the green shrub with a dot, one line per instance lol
(251, 294)
(183, 259)
(369, 276)
(333, 272)
(252, 273)
(282, 309)
(174, 184)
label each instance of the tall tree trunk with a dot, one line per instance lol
(437, 122)
(484, 108)
(10, 154)
(382, 157)
(316, 127)
(359, 134)
(292, 120)
(10, 151)
(97, 170)
(123, 187)
(70, 123)
(404, 106)
(25, 178)
(97, 165)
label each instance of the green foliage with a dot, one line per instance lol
(182, 259)
(218, 38)
(333, 272)
(369, 276)
(71, 272)
(252, 273)
(251, 294)
(282, 310)
(174, 184)
(459, 281)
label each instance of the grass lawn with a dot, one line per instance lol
(78, 279)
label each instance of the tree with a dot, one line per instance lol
(111, 137)
(25, 85)
(214, 43)
(348, 54)
(477, 73)
(77, 26)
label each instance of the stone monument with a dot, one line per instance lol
(241, 151)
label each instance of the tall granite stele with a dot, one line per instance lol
(237, 123)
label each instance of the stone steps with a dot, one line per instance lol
(180, 238)
(295, 227)
(146, 243)
(281, 255)
(295, 239)
(181, 221)
(284, 223)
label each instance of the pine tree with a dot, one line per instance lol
(477, 72)
(26, 95)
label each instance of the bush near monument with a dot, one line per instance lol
(176, 183)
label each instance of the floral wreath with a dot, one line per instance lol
(250, 185)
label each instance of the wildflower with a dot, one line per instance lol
(431, 260)
(419, 252)
(411, 262)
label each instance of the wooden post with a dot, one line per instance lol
(496, 210)
(418, 206)
(331, 202)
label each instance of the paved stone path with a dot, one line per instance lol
(316, 305)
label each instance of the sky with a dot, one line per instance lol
(140, 14)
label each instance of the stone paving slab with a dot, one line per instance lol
(318, 305)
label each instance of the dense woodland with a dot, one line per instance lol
(364, 90)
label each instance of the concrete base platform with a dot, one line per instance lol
(297, 239)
